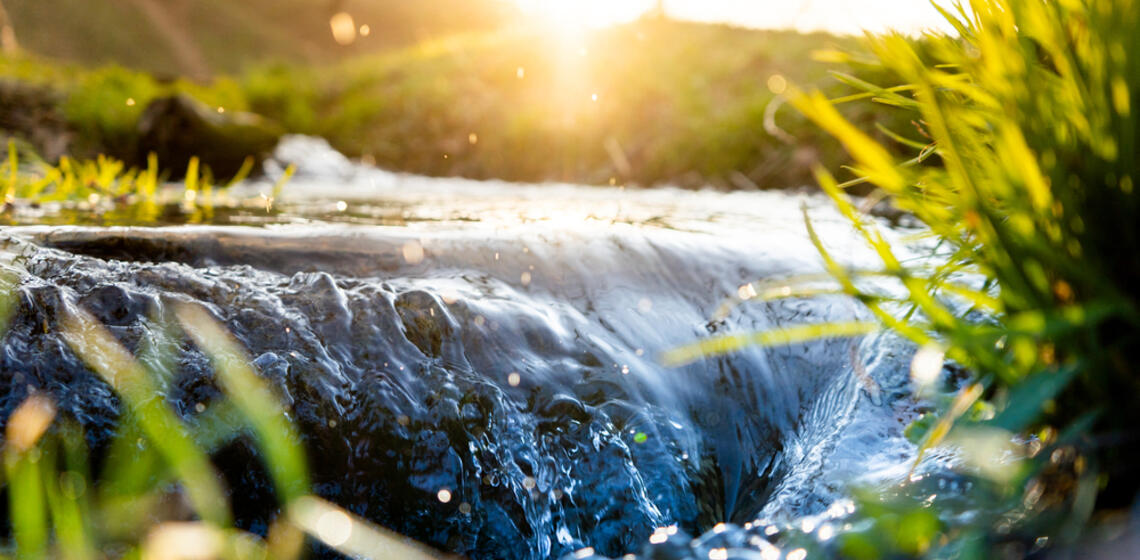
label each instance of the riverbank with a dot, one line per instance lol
(653, 102)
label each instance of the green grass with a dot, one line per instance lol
(1025, 174)
(107, 190)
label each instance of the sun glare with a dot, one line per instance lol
(575, 16)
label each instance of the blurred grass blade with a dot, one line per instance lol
(103, 354)
(279, 441)
(962, 402)
(13, 171)
(243, 172)
(279, 186)
(721, 345)
(1028, 398)
(25, 468)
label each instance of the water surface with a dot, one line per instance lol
(497, 342)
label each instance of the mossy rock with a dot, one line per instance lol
(177, 128)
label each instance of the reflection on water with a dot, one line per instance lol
(475, 364)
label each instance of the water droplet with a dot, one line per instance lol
(365, 30)
(797, 554)
(444, 495)
(341, 206)
(465, 508)
(514, 379)
(472, 138)
(520, 72)
(413, 252)
(525, 278)
(718, 554)
(343, 28)
(584, 553)
(645, 305)
(130, 102)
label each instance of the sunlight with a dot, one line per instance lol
(574, 17)
(571, 17)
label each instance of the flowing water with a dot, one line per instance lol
(476, 365)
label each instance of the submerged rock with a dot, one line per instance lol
(178, 127)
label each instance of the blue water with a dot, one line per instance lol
(501, 343)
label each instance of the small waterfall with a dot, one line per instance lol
(499, 342)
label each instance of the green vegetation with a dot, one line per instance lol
(1027, 180)
(646, 103)
(107, 189)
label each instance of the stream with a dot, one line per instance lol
(501, 343)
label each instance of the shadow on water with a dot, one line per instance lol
(490, 385)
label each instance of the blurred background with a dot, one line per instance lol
(202, 37)
(639, 92)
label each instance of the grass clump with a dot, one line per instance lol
(75, 190)
(1030, 112)
(1024, 170)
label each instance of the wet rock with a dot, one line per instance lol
(177, 128)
